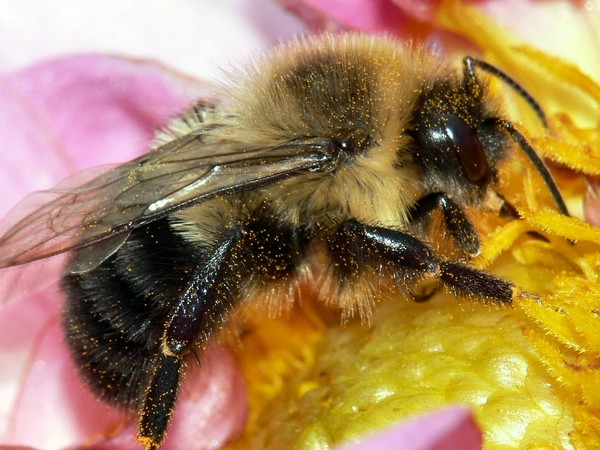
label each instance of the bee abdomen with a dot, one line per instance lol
(115, 314)
(113, 365)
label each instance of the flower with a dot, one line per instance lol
(528, 374)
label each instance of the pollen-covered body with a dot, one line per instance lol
(356, 90)
(357, 95)
(325, 163)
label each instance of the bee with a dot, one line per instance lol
(323, 163)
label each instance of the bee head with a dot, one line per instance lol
(455, 140)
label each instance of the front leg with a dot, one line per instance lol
(354, 243)
(457, 222)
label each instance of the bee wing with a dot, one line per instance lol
(104, 209)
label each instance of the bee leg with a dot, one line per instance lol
(202, 308)
(458, 224)
(204, 304)
(414, 260)
(159, 401)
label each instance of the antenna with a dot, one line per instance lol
(470, 64)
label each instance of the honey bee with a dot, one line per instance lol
(323, 164)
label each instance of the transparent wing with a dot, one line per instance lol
(102, 209)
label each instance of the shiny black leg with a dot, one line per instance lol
(160, 398)
(457, 223)
(202, 307)
(413, 260)
(263, 250)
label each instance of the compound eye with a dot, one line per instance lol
(468, 148)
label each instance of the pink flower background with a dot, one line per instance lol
(84, 83)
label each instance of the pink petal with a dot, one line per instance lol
(591, 203)
(196, 37)
(57, 118)
(62, 116)
(211, 410)
(423, 10)
(50, 393)
(213, 407)
(374, 16)
(449, 429)
(15, 447)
